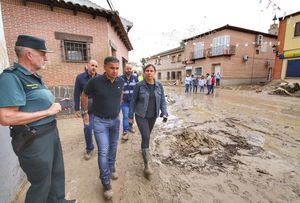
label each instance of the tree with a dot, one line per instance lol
(143, 61)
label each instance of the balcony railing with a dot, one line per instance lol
(221, 51)
(197, 55)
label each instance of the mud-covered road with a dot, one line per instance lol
(252, 140)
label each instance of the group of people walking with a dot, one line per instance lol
(28, 107)
(210, 81)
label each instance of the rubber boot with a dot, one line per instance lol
(146, 157)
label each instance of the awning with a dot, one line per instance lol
(188, 67)
(291, 54)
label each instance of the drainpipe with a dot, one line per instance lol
(252, 68)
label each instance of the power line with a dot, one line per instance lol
(110, 5)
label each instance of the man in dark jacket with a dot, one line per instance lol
(129, 83)
(80, 83)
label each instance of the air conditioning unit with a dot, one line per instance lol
(258, 40)
(245, 58)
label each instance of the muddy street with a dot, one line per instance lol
(234, 146)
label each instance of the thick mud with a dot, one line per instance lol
(233, 146)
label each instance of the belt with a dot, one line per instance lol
(23, 135)
(44, 128)
(107, 117)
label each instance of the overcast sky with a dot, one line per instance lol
(159, 25)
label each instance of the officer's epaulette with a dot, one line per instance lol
(9, 69)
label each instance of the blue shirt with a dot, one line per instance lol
(80, 83)
(128, 87)
(20, 88)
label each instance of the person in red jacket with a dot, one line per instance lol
(213, 82)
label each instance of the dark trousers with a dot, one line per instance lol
(145, 126)
(88, 133)
(42, 162)
(218, 82)
(208, 89)
(195, 88)
(187, 86)
(212, 88)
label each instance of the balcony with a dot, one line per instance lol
(221, 51)
(196, 55)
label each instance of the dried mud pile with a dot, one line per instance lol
(213, 145)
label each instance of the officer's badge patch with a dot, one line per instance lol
(32, 86)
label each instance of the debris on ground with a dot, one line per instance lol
(258, 90)
(274, 88)
(169, 100)
(285, 88)
(198, 146)
(262, 171)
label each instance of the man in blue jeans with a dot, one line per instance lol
(80, 83)
(129, 83)
(106, 91)
(208, 83)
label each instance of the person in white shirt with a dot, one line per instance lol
(202, 83)
(208, 83)
(187, 83)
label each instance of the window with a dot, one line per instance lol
(158, 61)
(179, 58)
(173, 59)
(297, 29)
(173, 75)
(113, 52)
(199, 50)
(113, 48)
(198, 71)
(168, 75)
(264, 47)
(220, 44)
(76, 51)
(74, 48)
(159, 75)
(178, 75)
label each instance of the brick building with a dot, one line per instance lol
(77, 30)
(287, 62)
(168, 64)
(239, 55)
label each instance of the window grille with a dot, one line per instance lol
(74, 51)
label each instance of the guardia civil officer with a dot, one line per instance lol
(27, 106)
